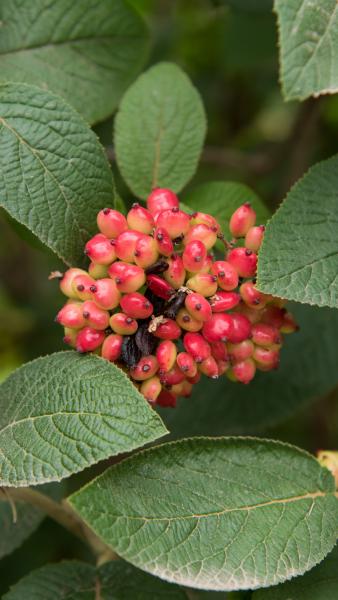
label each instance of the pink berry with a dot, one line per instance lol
(95, 317)
(242, 219)
(101, 250)
(202, 233)
(183, 389)
(241, 351)
(219, 351)
(146, 252)
(223, 366)
(66, 283)
(166, 355)
(254, 238)
(112, 346)
(198, 306)
(289, 324)
(198, 217)
(194, 255)
(218, 328)
(195, 378)
(160, 287)
(126, 243)
(151, 388)
(187, 322)
(168, 330)
(266, 358)
(172, 377)
(222, 301)
(136, 305)
(175, 274)
(145, 368)
(71, 316)
(207, 263)
(273, 315)
(203, 283)
(88, 339)
(166, 399)
(175, 221)
(241, 328)
(244, 261)
(161, 199)
(98, 271)
(186, 363)
(251, 296)
(196, 346)
(105, 293)
(122, 324)
(209, 367)
(252, 314)
(70, 336)
(227, 276)
(163, 241)
(111, 222)
(127, 277)
(265, 335)
(81, 286)
(244, 371)
(140, 219)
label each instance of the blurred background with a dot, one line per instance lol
(229, 50)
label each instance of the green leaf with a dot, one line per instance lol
(299, 256)
(159, 130)
(308, 47)
(81, 581)
(321, 583)
(308, 369)
(88, 52)
(28, 519)
(54, 176)
(220, 513)
(221, 198)
(64, 412)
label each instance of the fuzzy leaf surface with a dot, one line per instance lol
(54, 176)
(88, 52)
(64, 412)
(115, 580)
(299, 255)
(221, 514)
(308, 47)
(159, 130)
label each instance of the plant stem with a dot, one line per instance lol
(63, 514)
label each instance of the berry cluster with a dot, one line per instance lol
(157, 301)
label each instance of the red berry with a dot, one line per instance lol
(244, 261)
(222, 301)
(254, 238)
(187, 364)
(126, 244)
(95, 317)
(244, 371)
(161, 199)
(187, 322)
(70, 336)
(105, 293)
(128, 278)
(81, 286)
(265, 335)
(242, 219)
(166, 399)
(195, 379)
(207, 263)
(151, 388)
(136, 305)
(168, 330)
(289, 324)
(218, 328)
(197, 346)
(111, 222)
(198, 217)
(241, 328)
(98, 271)
(123, 324)
(203, 233)
(182, 389)
(140, 219)
(227, 276)
(146, 252)
(223, 366)
(66, 283)
(166, 355)
(266, 358)
(198, 306)
(203, 283)
(100, 249)
(88, 339)
(209, 367)
(172, 377)
(175, 221)
(71, 316)
(252, 314)
(241, 351)
(145, 368)
(163, 241)
(273, 315)
(160, 287)
(219, 351)
(175, 274)
(252, 297)
(194, 255)
(111, 348)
